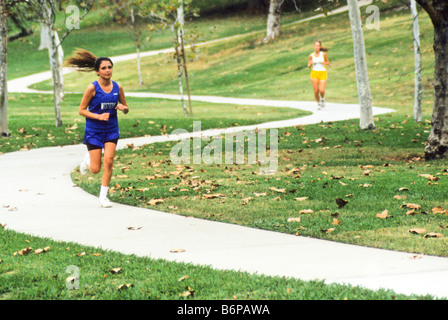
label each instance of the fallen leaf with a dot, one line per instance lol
(246, 200)
(412, 206)
(183, 278)
(125, 286)
(411, 212)
(341, 202)
(400, 197)
(417, 256)
(301, 198)
(189, 292)
(278, 190)
(439, 210)
(365, 185)
(154, 202)
(336, 222)
(213, 196)
(306, 211)
(24, 252)
(383, 215)
(429, 177)
(403, 189)
(177, 250)
(417, 230)
(115, 270)
(327, 231)
(134, 228)
(433, 235)
(38, 251)
(294, 219)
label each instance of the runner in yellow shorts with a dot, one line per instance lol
(318, 60)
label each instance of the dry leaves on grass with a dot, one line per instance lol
(383, 215)
(213, 196)
(433, 235)
(155, 202)
(341, 202)
(23, 252)
(115, 270)
(125, 286)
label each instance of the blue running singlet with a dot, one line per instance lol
(98, 132)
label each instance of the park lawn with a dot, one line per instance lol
(368, 171)
(107, 275)
(329, 158)
(243, 67)
(32, 125)
(397, 143)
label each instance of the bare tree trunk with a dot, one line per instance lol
(418, 65)
(362, 78)
(179, 68)
(184, 62)
(274, 29)
(437, 142)
(3, 71)
(178, 49)
(137, 43)
(56, 56)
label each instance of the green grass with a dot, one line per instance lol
(45, 276)
(337, 160)
(240, 68)
(32, 125)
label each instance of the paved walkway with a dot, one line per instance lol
(38, 197)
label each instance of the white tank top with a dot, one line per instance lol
(318, 62)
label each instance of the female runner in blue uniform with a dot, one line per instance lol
(99, 106)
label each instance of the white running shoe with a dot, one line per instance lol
(318, 106)
(84, 166)
(105, 203)
(322, 103)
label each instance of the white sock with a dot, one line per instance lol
(103, 192)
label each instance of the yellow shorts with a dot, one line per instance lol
(319, 75)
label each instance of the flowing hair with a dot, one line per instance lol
(85, 61)
(324, 49)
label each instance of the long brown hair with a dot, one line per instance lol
(85, 61)
(324, 49)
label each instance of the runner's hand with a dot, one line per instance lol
(104, 116)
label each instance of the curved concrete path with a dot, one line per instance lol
(38, 197)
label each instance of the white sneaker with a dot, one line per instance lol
(105, 203)
(84, 166)
(319, 106)
(322, 103)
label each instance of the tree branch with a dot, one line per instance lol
(427, 5)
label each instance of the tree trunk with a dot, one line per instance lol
(3, 71)
(274, 29)
(418, 65)
(437, 143)
(137, 44)
(179, 67)
(184, 62)
(362, 77)
(56, 56)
